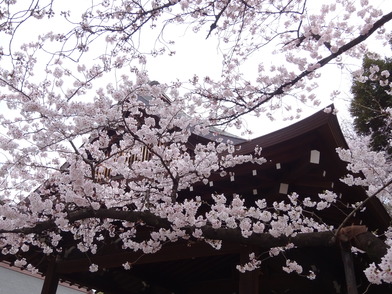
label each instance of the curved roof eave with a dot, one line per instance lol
(309, 124)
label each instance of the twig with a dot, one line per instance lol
(361, 205)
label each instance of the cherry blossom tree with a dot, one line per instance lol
(88, 141)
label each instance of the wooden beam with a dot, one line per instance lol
(374, 247)
(351, 284)
(171, 252)
(51, 279)
(249, 281)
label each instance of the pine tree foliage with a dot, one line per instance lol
(372, 102)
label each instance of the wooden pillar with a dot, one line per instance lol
(51, 278)
(248, 281)
(349, 271)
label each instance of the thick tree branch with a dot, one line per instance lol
(368, 242)
(132, 216)
(266, 240)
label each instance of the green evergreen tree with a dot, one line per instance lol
(371, 101)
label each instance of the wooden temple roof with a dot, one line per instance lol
(301, 158)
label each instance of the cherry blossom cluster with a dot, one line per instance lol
(374, 166)
(251, 265)
(373, 170)
(382, 272)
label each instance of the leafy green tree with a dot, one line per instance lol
(371, 102)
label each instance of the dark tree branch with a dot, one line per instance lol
(132, 216)
(265, 240)
(368, 242)
(217, 17)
